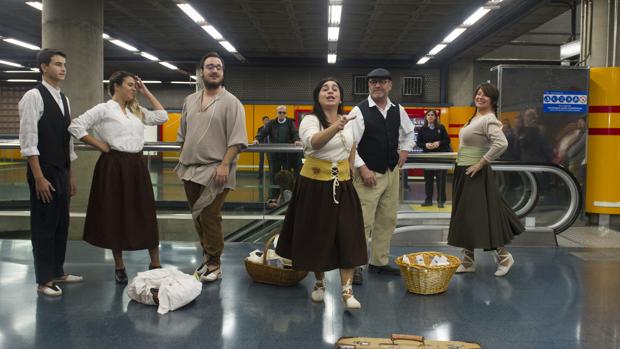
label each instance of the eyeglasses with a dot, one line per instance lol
(213, 66)
(380, 82)
(281, 112)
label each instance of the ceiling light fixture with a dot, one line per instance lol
(476, 16)
(11, 64)
(36, 4)
(335, 12)
(22, 44)
(191, 12)
(228, 46)
(21, 71)
(124, 45)
(213, 32)
(169, 66)
(331, 58)
(21, 80)
(148, 56)
(454, 34)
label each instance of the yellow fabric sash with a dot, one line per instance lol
(324, 170)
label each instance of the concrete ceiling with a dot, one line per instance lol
(287, 32)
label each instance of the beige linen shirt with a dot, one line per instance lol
(206, 135)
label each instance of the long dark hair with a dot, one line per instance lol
(490, 91)
(435, 123)
(317, 109)
(117, 78)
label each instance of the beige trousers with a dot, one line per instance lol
(379, 207)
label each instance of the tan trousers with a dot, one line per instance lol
(209, 223)
(379, 207)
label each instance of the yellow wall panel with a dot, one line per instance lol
(604, 86)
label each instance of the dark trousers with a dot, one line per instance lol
(49, 225)
(282, 161)
(429, 176)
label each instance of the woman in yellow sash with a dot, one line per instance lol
(324, 228)
(480, 216)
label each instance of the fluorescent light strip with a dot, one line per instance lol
(169, 66)
(148, 56)
(424, 60)
(21, 71)
(183, 82)
(124, 45)
(437, 49)
(453, 35)
(475, 17)
(333, 33)
(22, 44)
(228, 46)
(21, 80)
(331, 58)
(193, 77)
(191, 12)
(105, 36)
(151, 81)
(11, 64)
(36, 4)
(335, 12)
(213, 32)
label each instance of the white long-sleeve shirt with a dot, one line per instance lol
(31, 109)
(109, 124)
(405, 130)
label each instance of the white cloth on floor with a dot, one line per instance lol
(176, 289)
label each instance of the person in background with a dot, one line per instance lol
(44, 114)
(433, 137)
(324, 226)
(121, 206)
(261, 155)
(280, 130)
(481, 218)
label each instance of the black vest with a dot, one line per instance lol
(52, 128)
(379, 145)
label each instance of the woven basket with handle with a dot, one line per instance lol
(268, 274)
(426, 279)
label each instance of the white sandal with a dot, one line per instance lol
(504, 262)
(467, 264)
(318, 291)
(213, 275)
(349, 300)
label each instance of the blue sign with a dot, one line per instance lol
(565, 102)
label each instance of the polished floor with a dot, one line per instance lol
(553, 298)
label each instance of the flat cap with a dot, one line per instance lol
(380, 73)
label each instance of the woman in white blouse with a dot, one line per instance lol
(121, 207)
(324, 227)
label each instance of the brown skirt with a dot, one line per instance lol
(480, 218)
(320, 235)
(121, 206)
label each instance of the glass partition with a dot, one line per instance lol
(546, 197)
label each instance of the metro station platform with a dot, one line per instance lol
(554, 297)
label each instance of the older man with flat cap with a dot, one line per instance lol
(385, 137)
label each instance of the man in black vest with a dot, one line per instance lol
(44, 140)
(385, 135)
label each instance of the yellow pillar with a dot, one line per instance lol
(603, 185)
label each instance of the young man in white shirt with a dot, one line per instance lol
(45, 141)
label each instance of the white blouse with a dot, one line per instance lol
(109, 124)
(335, 149)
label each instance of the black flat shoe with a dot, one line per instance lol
(121, 276)
(427, 204)
(383, 269)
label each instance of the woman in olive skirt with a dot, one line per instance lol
(481, 218)
(121, 207)
(324, 226)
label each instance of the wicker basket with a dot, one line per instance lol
(268, 274)
(425, 279)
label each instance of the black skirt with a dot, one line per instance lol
(121, 207)
(480, 218)
(320, 235)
